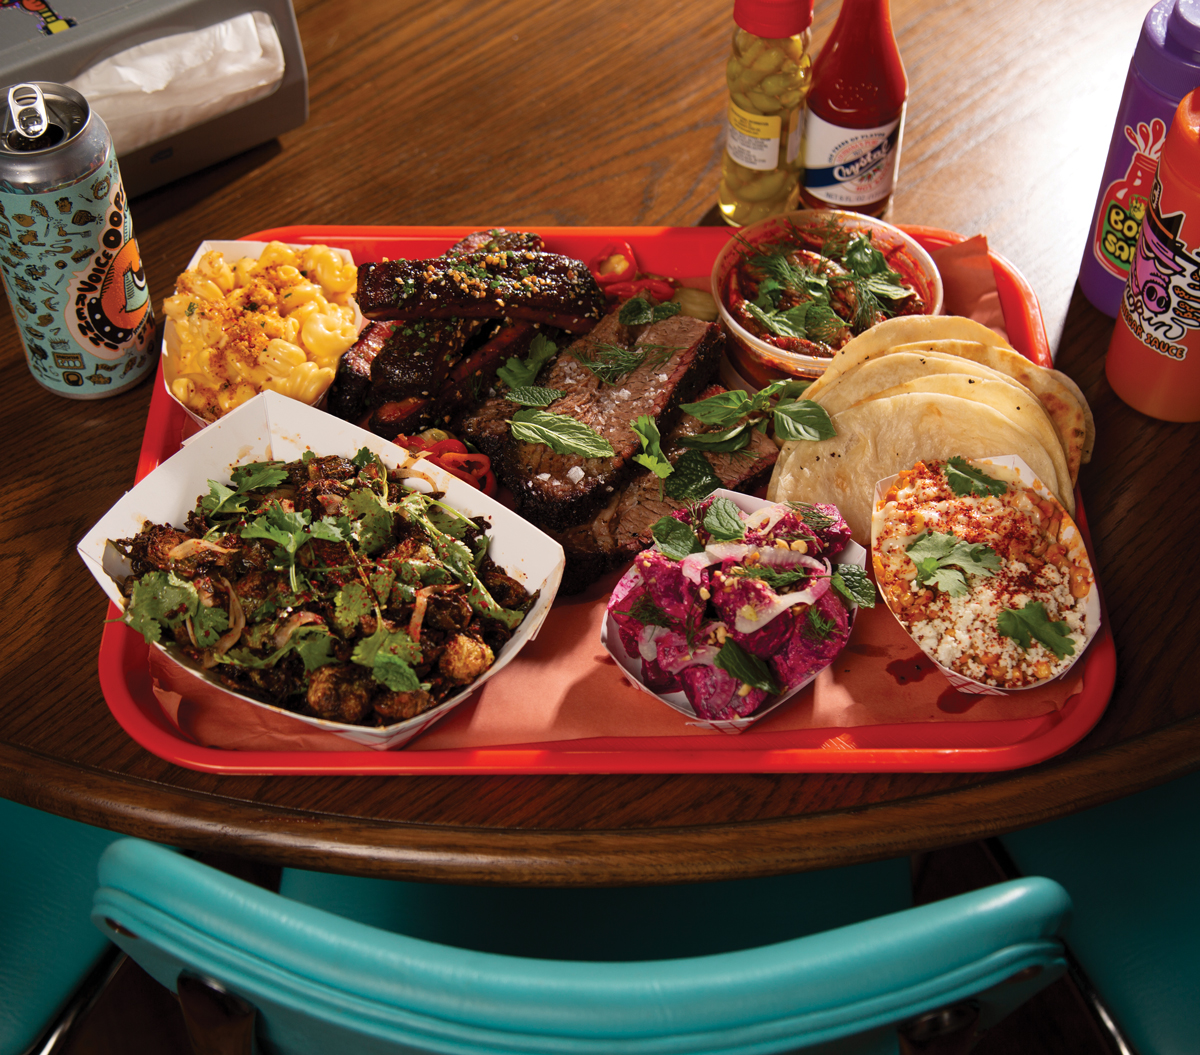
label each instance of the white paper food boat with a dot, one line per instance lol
(631, 666)
(232, 250)
(271, 426)
(1069, 535)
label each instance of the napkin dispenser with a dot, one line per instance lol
(182, 84)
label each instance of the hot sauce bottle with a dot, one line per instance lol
(855, 113)
(1153, 361)
(1164, 68)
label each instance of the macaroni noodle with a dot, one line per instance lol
(280, 322)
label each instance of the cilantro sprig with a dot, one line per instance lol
(964, 479)
(1031, 622)
(520, 373)
(942, 561)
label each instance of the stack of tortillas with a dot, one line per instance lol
(932, 386)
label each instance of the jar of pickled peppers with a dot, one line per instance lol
(768, 74)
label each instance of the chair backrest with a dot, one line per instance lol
(322, 983)
(47, 945)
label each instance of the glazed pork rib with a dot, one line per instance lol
(497, 283)
(561, 490)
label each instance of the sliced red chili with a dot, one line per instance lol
(475, 468)
(615, 264)
(659, 288)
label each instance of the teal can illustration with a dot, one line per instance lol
(70, 262)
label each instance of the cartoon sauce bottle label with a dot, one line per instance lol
(1125, 200)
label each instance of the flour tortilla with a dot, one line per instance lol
(1014, 401)
(872, 376)
(879, 437)
(905, 329)
(967, 339)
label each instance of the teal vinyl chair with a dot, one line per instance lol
(51, 957)
(1132, 868)
(322, 983)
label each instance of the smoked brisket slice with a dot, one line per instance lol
(622, 529)
(561, 490)
(502, 283)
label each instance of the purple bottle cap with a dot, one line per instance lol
(1167, 56)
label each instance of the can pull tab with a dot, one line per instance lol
(28, 110)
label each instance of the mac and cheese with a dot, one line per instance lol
(280, 322)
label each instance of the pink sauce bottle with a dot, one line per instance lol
(1165, 67)
(1153, 361)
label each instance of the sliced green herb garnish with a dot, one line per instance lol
(254, 476)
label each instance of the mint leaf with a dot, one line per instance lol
(518, 373)
(964, 479)
(723, 520)
(852, 583)
(693, 477)
(652, 457)
(533, 396)
(675, 538)
(735, 660)
(562, 434)
(1031, 622)
(638, 311)
(803, 419)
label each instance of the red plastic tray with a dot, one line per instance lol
(918, 746)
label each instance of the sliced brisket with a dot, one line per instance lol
(622, 528)
(561, 490)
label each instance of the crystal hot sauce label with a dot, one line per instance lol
(850, 167)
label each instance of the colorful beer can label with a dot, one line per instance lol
(75, 281)
(850, 167)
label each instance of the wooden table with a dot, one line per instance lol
(594, 113)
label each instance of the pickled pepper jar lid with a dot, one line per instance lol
(773, 18)
(1167, 55)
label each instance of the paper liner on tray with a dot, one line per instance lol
(631, 666)
(1069, 536)
(271, 426)
(232, 250)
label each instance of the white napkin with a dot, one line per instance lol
(153, 90)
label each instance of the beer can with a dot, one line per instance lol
(70, 262)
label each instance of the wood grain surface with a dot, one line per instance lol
(611, 113)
